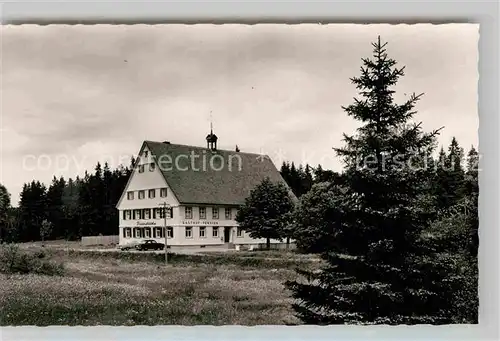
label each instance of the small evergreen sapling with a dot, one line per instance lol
(45, 229)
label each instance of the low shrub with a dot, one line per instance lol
(15, 261)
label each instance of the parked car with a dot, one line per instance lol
(149, 244)
(130, 246)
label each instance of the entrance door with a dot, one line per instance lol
(227, 234)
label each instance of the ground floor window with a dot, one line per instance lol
(202, 232)
(138, 232)
(239, 232)
(215, 232)
(158, 232)
(189, 232)
(127, 232)
(148, 232)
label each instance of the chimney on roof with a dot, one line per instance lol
(237, 149)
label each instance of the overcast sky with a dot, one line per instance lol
(94, 92)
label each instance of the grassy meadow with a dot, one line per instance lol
(121, 288)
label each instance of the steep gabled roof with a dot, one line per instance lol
(226, 179)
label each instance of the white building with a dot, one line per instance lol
(203, 188)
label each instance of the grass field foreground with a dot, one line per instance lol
(116, 288)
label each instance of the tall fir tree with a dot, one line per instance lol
(322, 175)
(108, 209)
(307, 181)
(294, 179)
(449, 176)
(285, 172)
(471, 195)
(55, 207)
(439, 179)
(318, 174)
(456, 172)
(299, 179)
(4, 200)
(378, 271)
(4, 211)
(32, 210)
(70, 221)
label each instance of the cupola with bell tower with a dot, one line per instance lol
(211, 139)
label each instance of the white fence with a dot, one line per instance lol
(100, 240)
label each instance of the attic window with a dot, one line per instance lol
(188, 212)
(151, 193)
(146, 153)
(228, 213)
(215, 213)
(203, 213)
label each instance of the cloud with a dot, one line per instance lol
(103, 89)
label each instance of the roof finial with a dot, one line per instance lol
(211, 127)
(211, 138)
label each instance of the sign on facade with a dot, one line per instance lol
(146, 223)
(200, 223)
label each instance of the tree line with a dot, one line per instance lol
(397, 229)
(74, 208)
(86, 206)
(451, 180)
(301, 178)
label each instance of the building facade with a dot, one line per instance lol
(194, 192)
